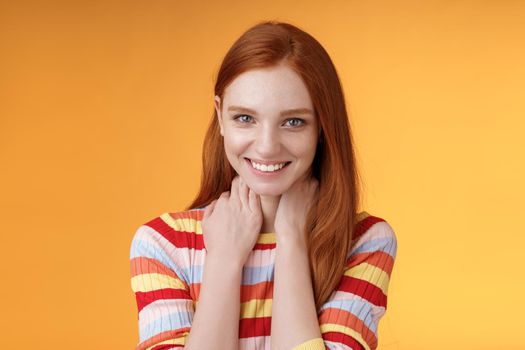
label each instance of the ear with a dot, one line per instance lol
(218, 107)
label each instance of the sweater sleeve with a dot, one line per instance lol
(349, 319)
(165, 306)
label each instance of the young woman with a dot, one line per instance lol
(273, 252)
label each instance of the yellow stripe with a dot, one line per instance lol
(256, 308)
(152, 281)
(312, 344)
(194, 226)
(182, 224)
(266, 238)
(370, 273)
(179, 341)
(330, 327)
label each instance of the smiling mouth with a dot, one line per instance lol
(251, 165)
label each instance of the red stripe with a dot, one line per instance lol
(264, 246)
(167, 346)
(189, 214)
(142, 265)
(255, 327)
(350, 320)
(364, 289)
(363, 225)
(178, 238)
(258, 291)
(343, 339)
(377, 258)
(160, 337)
(146, 298)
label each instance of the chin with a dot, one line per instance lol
(268, 190)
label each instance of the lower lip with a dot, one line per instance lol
(266, 173)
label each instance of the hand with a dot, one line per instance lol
(294, 204)
(231, 224)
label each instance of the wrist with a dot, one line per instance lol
(225, 261)
(290, 238)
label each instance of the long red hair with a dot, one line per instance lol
(331, 221)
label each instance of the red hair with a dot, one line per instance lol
(330, 222)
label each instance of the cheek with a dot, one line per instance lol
(302, 147)
(235, 144)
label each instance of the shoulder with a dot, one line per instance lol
(181, 221)
(180, 229)
(373, 233)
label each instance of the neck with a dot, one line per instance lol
(269, 206)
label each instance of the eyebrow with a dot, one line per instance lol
(288, 112)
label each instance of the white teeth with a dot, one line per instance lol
(267, 168)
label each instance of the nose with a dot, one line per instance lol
(267, 143)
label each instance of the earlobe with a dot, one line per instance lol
(217, 103)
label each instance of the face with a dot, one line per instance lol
(266, 117)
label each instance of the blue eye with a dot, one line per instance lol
(239, 117)
(296, 124)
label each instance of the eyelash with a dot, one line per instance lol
(237, 117)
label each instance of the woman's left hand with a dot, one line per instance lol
(294, 204)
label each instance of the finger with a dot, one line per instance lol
(235, 188)
(243, 194)
(254, 201)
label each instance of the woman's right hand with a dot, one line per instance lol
(231, 224)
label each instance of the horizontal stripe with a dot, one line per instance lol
(371, 274)
(312, 344)
(255, 327)
(250, 275)
(146, 298)
(259, 343)
(328, 327)
(163, 307)
(173, 321)
(167, 347)
(263, 290)
(177, 337)
(253, 275)
(178, 238)
(151, 281)
(360, 308)
(141, 265)
(256, 308)
(340, 341)
(183, 222)
(365, 224)
(379, 259)
(149, 243)
(347, 319)
(387, 245)
(342, 295)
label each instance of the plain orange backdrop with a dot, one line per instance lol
(104, 106)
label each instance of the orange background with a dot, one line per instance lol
(104, 106)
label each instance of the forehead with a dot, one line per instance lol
(268, 89)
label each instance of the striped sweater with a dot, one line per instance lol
(167, 258)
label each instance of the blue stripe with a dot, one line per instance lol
(153, 250)
(250, 275)
(253, 275)
(386, 244)
(360, 308)
(194, 273)
(166, 323)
